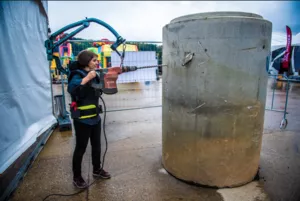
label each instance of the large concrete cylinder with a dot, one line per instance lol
(213, 106)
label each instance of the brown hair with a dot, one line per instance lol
(84, 57)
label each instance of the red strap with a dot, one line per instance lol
(74, 106)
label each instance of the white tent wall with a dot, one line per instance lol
(25, 87)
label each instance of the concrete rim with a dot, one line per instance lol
(223, 14)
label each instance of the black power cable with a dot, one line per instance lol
(103, 158)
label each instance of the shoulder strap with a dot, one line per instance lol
(74, 72)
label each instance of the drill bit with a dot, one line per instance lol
(133, 68)
(142, 67)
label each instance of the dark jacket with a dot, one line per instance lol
(85, 94)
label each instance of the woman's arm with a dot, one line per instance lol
(77, 84)
(89, 76)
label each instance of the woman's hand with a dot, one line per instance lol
(91, 75)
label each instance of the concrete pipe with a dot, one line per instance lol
(214, 94)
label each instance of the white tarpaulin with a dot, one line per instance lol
(144, 58)
(25, 88)
(279, 40)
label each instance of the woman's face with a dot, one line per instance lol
(93, 63)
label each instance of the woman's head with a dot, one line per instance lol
(88, 59)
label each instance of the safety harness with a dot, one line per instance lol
(84, 108)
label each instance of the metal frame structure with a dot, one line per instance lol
(284, 121)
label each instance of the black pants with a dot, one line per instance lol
(83, 133)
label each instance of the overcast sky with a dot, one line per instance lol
(144, 20)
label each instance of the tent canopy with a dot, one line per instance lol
(279, 40)
(25, 94)
(277, 55)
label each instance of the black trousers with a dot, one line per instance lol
(83, 133)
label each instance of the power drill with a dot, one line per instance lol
(106, 79)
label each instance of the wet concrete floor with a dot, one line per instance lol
(134, 157)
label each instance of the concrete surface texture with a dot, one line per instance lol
(134, 159)
(213, 107)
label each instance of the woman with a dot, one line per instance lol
(85, 112)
